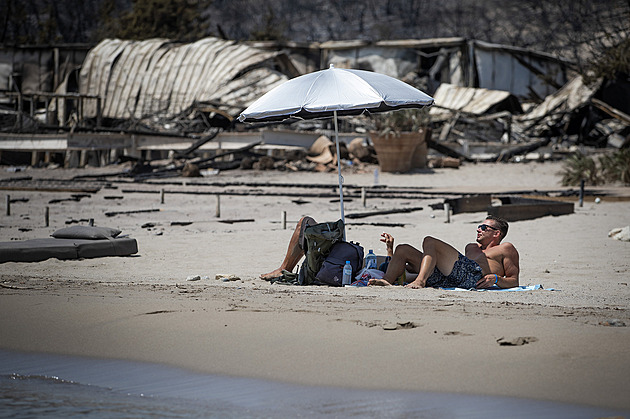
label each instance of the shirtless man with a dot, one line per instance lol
(486, 263)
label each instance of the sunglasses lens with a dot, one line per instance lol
(482, 227)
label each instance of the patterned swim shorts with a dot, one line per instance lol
(465, 274)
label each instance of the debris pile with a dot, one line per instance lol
(482, 125)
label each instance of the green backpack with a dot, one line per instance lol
(319, 240)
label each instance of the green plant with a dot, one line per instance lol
(579, 167)
(403, 120)
(615, 167)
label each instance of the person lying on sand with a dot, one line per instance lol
(486, 263)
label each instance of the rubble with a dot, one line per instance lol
(517, 114)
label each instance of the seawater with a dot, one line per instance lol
(42, 385)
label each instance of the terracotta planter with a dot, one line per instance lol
(400, 152)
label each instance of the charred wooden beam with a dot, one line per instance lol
(505, 155)
(113, 213)
(447, 150)
(383, 212)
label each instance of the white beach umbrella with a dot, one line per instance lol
(334, 92)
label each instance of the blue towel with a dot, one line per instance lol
(495, 288)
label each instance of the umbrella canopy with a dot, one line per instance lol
(348, 92)
(331, 93)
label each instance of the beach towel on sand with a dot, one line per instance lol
(495, 288)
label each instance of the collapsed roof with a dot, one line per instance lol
(136, 79)
(470, 100)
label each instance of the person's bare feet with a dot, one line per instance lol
(415, 284)
(273, 274)
(379, 282)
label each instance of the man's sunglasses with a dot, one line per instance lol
(484, 227)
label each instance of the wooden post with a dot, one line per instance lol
(284, 220)
(47, 216)
(218, 211)
(581, 192)
(447, 210)
(80, 122)
(99, 116)
(20, 109)
(8, 205)
(363, 197)
(162, 196)
(83, 158)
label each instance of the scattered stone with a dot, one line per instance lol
(190, 170)
(227, 277)
(613, 323)
(247, 163)
(519, 341)
(193, 278)
(264, 163)
(400, 326)
(619, 233)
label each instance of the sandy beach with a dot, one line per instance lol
(142, 307)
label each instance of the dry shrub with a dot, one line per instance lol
(609, 168)
(615, 167)
(579, 167)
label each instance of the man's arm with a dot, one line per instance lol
(510, 266)
(388, 239)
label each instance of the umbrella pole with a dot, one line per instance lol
(343, 217)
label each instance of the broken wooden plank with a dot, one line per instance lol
(377, 224)
(16, 179)
(113, 213)
(446, 129)
(74, 197)
(181, 223)
(615, 113)
(447, 151)
(243, 220)
(201, 164)
(505, 155)
(383, 212)
(198, 144)
(48, 189)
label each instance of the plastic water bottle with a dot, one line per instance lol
(370, 260)
(347, 274)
